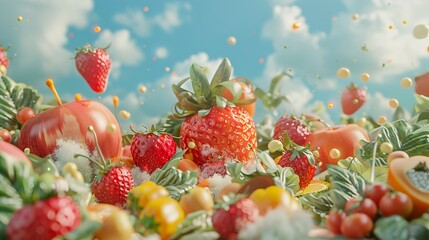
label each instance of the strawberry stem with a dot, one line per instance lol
(51, 86)
(89, 159)
(323, 122)
(97, 146)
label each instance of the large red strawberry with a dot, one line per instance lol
(94, 66)
(45, 219)
(352, 98)
(232, 216)
(4, 61)
(112, 185)
(300, 159)
(214, 130)
(297, 130)
(152, 149)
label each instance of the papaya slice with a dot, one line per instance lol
(410, 175)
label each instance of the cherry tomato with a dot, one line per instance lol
(344, 138)
(334, 221)
(24, 114)
(357, 225)
(365, 206)
(396, 203)
(5, 135)
(375, 192)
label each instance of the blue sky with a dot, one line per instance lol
(147, 36)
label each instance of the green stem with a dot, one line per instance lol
(97, 146)
(89, 159)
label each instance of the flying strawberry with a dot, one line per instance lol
(233, 215)
(297, 130)
(352, 98)
(45, 219)
(300, 159)
(215, 129)
(113, 182)
(93, 64)
(152, 149)
(4, 61)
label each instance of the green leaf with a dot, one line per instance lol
(422, 103)
(175, 181)
(222, 74)
(344, 185)
(399, 114)
(85, 231)
(203, 112)
(195, 224)
(318, 203)
(233, 87)
(221, 101)
(396, 227)
(286, 178)
(380, 174)
(13, 97)
(43, 165)
(354, 164)
(126, 139)
(200, 83)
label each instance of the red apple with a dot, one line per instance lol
(71, 121)
(13, 152)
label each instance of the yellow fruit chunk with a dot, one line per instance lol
(315, 186)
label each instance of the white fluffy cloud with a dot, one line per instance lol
(42, 34)
(138, 21)
(161, 52)
(379, 42)
(123, 50)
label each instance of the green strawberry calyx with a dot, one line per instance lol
(206, 95)
(296, 150)
(89, 49)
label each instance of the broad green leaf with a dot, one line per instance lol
(175, 181)
(200, 83)
(195, 224)
(394, 227)
(127, 138)
(318, 203)
(286, 178)
(353, 164)
(13, 97)
(380, 174)
(222, 74)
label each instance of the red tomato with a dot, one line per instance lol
(5, 135)
(375, 192)
(247, 93)
(344, 138)
(357, 225)
(365, 206)
(71, 121)
(352, 99)
(334, 221)
(396, 203)
(25, 114)
(14, 153)
(422, 84)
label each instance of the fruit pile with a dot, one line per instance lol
(207, 171)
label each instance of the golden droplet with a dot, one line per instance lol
(361, 122)
(421, 31)
(191, 145)
(393, 103)
(97, 29)
(343, 72)
(316, 153)
(124, 114)
(355, 101)
(111, 128)
(232, 41)
(78, 97)
(19, 18)
(406, 82)
(364, 77)
(143, 89)
(296, 25)
(386, 147)
(330, 105)
(404, 22)
(390, 27)
(115, 101)
(355, 16)
(334, 153)
(381, 120)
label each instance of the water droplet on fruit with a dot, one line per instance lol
(232, 41)
(393, 103)
(364, 77)
(421, 31)
(111, 128)
(355, 101)
(406, 82)
(334, 153)
(381, 120)
(316, 153)
(343, 72)
(124, 114)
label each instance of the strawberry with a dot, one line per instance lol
(113, 182)
(232, 216)
(93, 64)
(210, 169)
(112, 185)
(297, 130)
(4, 61)
(214, 130)
(352, 98)
(46, 219)
(301, 160)
(152, 149)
